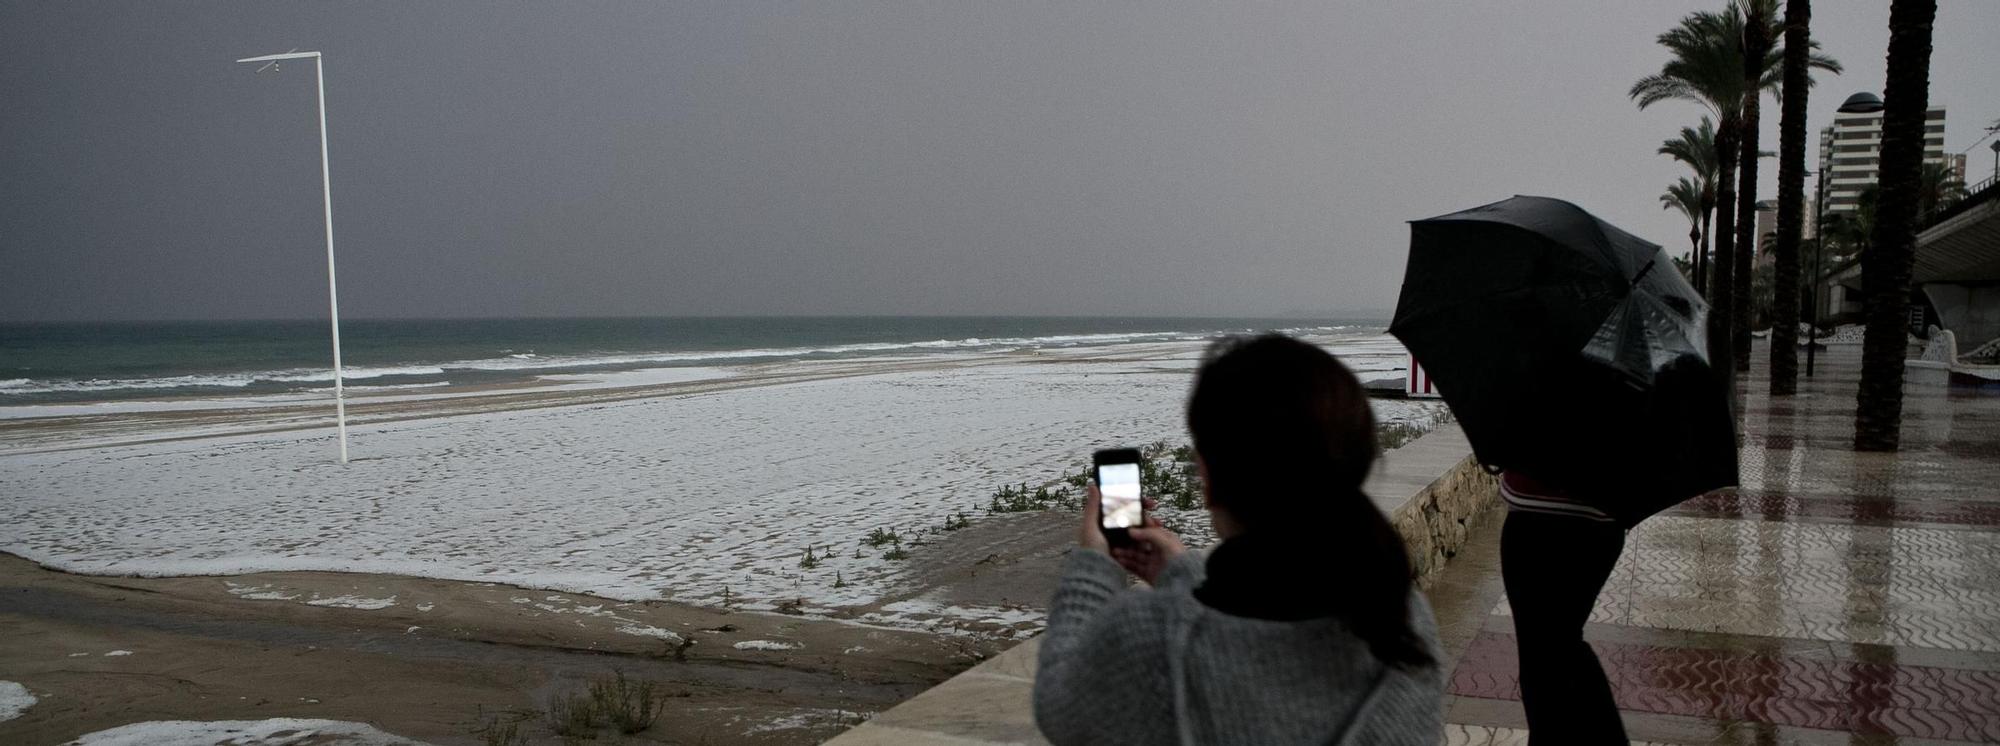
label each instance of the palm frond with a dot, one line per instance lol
(1704, 64)
(1684, 196)
(1695, 147)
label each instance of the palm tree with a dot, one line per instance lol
(1938, 188)
(1762, 69)
(1705, 68)
(1791, 201)
(1885, 267)
(1685, 197)
(1847, 232)
(1695, 147)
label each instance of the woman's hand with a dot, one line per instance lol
(1152, 547)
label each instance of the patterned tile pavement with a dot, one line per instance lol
(1836, 596)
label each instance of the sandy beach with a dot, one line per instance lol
(708, 527)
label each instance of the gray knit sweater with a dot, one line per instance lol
(1121, 665)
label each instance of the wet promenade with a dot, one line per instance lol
(1837, 597)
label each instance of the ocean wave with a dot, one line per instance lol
(614, 359)
(530, 362)
(94, 385)
(354, 373)
(24, 387)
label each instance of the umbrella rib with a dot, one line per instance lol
(1644, 270)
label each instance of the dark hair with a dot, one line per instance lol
(1287, 435)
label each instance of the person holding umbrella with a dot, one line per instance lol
(1575, 358)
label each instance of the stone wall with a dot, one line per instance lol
(1435, 522)
(1433, 491)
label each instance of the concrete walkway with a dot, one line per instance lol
(1835, 598)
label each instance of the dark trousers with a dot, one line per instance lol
(1554, 566)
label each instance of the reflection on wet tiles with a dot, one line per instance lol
(1936, 588)
(1881, 698)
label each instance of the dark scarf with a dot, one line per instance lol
(1258, 578)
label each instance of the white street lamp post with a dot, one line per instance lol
(326, 196)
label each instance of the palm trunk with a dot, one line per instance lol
(1885, 267)
(1701, 267)
(1791, 203)
(1722, 304)
(1746, 234)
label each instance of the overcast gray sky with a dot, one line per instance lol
(831, 158)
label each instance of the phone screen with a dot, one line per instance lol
(1118, 484)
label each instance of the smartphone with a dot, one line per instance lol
(1119, 506)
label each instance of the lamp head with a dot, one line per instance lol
(271, 60)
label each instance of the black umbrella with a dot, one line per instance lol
(1569, 350)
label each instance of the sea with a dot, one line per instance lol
(43, 363)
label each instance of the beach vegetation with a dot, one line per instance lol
(1080, 480)
(503, 734)
(881, 537)
(809, 560)
(896, 552)
(626, 704)
(1019, 499)
(838, 581)
(1168, 474)
(957, 520)
(503, 729)
(571, 715)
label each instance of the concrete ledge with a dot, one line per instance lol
(1431, 489)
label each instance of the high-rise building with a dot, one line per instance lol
(1853, 147)
(1767, 227)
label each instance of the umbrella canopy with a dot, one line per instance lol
(1569, 350)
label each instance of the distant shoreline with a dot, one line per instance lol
(73, 363)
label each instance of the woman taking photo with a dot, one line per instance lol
(1301, 626)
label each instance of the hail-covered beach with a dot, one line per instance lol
(796, 542)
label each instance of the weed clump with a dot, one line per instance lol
(1019, 499)
(572, 715)
(502, 730)
(630, 706)
(1169, 475)
(881, 536)
(626, 705)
